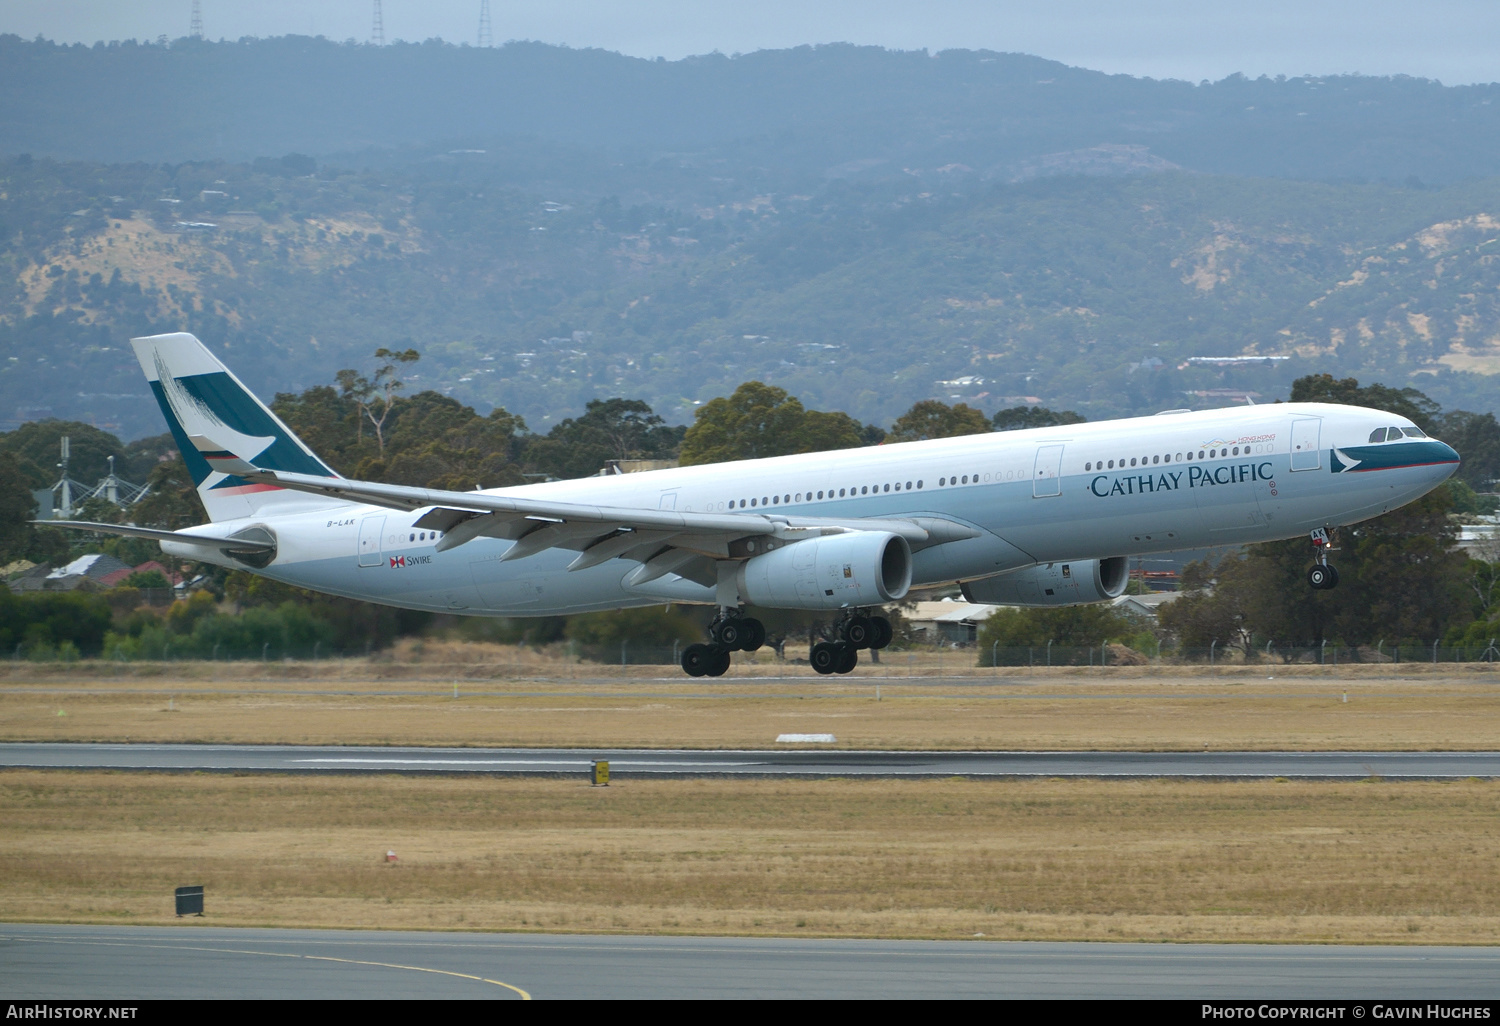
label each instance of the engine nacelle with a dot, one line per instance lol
(858, 568)
(1054, 584)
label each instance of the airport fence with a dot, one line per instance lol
(1265, 653)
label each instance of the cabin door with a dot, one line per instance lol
(1305, 452)
(370, 530)
(1047, 480)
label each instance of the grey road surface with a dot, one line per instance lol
(796, 762)
(123, 963)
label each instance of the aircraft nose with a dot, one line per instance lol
(1446, 457)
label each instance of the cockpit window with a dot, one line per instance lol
(1414, 432)
(1378, 435)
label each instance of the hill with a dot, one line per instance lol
(784, 118)
(1086, 293)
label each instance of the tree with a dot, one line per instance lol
(377, 391)
(1401, 578)
(1018, 417)
(1404, 402)
(1212, 608)
(89, 448)
(761, 420)
(610, 429)
(931, 418)
(1477, 438)
(171, 499)
(1091, 624)
(17, 507)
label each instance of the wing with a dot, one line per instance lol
(662, 541)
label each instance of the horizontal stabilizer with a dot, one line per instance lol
(131, 531)
(220, 458)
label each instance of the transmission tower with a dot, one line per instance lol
(377, 30)
(485, 38)
(197, 29)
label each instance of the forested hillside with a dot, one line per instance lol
(786, 117)
(1087, 293)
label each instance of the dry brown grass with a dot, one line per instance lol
(1175, 709)
(1031, 859)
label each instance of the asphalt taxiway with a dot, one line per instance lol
(122, 963)
(799, 761)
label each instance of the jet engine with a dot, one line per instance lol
(858, 568)
(1053, 584)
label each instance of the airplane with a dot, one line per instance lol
(1039, 517)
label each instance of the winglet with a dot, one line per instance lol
(221, 459)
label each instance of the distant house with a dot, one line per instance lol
(84, 572)
(948, 623)
(1145, 605)
(118, 577)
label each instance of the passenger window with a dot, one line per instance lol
(752, 502)
(1088, 467)
(966, 479)
(919, 484)
(1179, 457)
(887, 487)
(786, 498)
(841, 493)
(412, 538)
(1111, 464)
(908, 486)
(776, 500)
(1132, 461)
(942, 481)
(1156, 459)
(1414, 432)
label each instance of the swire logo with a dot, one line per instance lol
(397, 561)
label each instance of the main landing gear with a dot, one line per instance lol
(854, 632)
(1322, 576)
(730, 632)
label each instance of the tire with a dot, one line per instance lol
(849, 661)
(720, 662)
(1333, 577)
(825, 657)
(696, 660)
(755, 635)
(731, 634)
(1321, 577)
(859, 631)
(883, 632)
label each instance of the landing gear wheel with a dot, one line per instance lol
(755, 634)
(883, 632)
(858, 632)
(850, 658)
(826, 657)
(731, 634)
(696, 659)
(720, 661)
(1322, 577)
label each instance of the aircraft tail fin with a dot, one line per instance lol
(202, 400)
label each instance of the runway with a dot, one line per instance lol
(793, 762)
(123, 963)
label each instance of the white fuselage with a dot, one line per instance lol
(1113, 488)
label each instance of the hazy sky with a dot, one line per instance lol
(1456, 41)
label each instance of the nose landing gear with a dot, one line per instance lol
(1323, 575)
(852, 633)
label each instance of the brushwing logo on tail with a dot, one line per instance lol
(198, 418)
